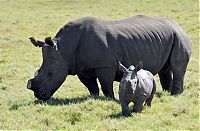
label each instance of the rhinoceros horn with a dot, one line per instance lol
(36, 42)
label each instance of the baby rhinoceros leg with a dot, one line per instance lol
(137, 107)
(125, 109)
(124, 105)
(148, 101)
(138, 104)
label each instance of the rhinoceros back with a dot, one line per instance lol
(139, 38)
(142, 38)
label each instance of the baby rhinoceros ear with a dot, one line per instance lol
(122, 67)
(139, 66)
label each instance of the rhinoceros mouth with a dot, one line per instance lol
(35, 87)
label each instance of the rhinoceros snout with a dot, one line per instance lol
(32, 84)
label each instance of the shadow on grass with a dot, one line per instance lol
(158, 94)
(52, 102)
(116, 116)
(68, 101)
(61, 101)
(103, 98)
(163, 93)
(119, 115)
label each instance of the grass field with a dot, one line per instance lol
(71, 108)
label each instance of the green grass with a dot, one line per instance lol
(71, 107)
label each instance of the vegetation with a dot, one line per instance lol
(71, 107)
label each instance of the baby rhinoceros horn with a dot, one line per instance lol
(132, 86)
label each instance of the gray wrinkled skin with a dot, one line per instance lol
(137, 86)
(91, 48)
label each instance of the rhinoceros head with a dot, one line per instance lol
(52, 73)
(129, 81)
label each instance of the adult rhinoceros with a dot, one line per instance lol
(91, 48)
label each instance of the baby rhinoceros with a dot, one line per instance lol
(137, 86)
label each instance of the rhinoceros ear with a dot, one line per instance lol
(36, 42)
(139, 66)
(50, 42)
(122, 67)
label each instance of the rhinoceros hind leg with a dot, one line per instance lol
(179, 70)
(166, 78)
(177, 86)
(91, 84)
(179, 58)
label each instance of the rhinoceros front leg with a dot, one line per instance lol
(91, 84)
(179, 60)
(106, 78)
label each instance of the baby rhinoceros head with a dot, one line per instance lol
(129, 81)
